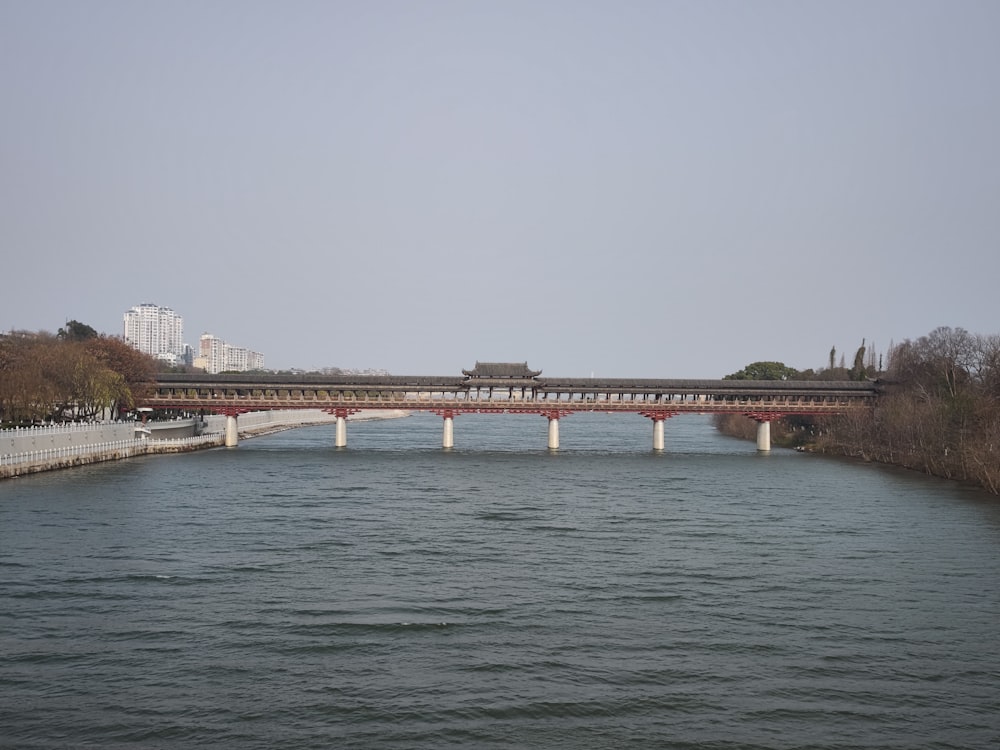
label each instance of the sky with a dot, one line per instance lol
(621, 189)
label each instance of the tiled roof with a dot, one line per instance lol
(501, 370)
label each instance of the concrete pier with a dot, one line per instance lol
(340, 440)
(232, 432)
(553, 433)
(763, 435)
(658, 442)
(448, 436)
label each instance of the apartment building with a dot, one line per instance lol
(155, 330)
(215, 355)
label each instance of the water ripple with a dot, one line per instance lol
(286, 594)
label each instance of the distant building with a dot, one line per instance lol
(215, 355)
(155, 330)
(159, 331)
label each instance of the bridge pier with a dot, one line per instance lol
(658, 441)
(553, 430)
(763, 420)
(340, 434)
(448, 436)
(658, 417)
(232, 431)
(763, 435)
(340, 431)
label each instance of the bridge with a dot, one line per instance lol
(505, 388)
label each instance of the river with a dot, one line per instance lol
(395, 595)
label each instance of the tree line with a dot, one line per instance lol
(75, 374)
(938, 409)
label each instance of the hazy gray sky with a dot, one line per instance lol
(648, 189)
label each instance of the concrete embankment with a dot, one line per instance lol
(50, 459)
(73, 435)
(33, 450)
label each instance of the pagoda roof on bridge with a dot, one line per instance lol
(502, 371)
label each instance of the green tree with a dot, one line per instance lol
(858, 372)
(77, 331)
(765, 371)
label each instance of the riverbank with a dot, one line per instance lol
(52, 459)
(830, 442)
(48, 453)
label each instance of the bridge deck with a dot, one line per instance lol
(652, 397)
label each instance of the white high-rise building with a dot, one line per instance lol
(155, 330)
(215, 355)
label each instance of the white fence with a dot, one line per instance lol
(60, 429)
(107, 450)
(125, 447)
(62, 445)
(26, 439)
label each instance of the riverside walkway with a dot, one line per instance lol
(505, 388)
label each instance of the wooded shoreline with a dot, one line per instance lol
(938, 412)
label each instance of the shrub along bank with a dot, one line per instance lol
(938, 411)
